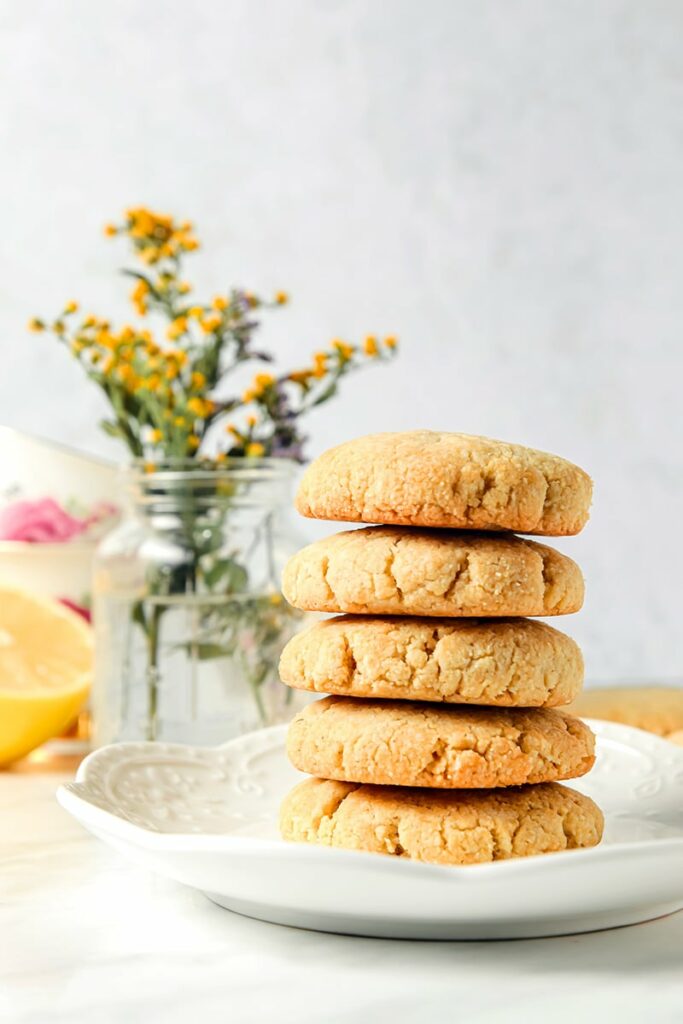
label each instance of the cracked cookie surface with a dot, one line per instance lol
(441, 827)
(426, 478)
(396, 743)
(499, 662)
(389, 570)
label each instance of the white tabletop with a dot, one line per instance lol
(86, 936)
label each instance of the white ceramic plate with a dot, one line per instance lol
(208, 818)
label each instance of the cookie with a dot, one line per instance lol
(425, 478)
(403, 744)
(390, 570)
(499, 662)
(657, 709)
(458, 827)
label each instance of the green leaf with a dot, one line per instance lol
(205, 651)
(138, 615)
(110, 428)
(233, 575)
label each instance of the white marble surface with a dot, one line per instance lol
(85, 936)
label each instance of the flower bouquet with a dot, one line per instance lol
(189, 617)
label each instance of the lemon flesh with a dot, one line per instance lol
(46, 659)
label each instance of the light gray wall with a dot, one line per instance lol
(498, 182)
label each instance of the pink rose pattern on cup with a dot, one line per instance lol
(45, 521)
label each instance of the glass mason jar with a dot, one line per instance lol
(189, 618)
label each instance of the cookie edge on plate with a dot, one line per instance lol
(424, 825)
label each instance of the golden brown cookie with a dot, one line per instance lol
(657, 709)
(443, 747)
(499, 662)
(458, 827)
(425, 478)
(392, 570)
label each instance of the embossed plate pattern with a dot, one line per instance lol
(208, 818)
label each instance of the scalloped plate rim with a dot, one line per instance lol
(73, 798)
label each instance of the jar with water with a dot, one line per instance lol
(189, 617)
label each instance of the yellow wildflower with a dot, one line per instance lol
(177, 328)
(90, 321)
(149, 467)
(252, 300)
(319, 365)
(71, 307)
(230, 428)
(179, 421)
(195, 312)
(390, 342)
(344, 350)
(189, 244)
(58, 327)
(155, 436)
(179, 355)
(193, 442)
(261, 382)
(184, 287)
(77, 346)
(281, 298)
(275, 599)
(210, 323)
(220, 457)
(105, 339)
(255, 450)
(219, 302)
(252, 421)
(139, 297)
(144, 223)
(35, 324)
(370, 346)
(301, 376)
(139, 221)
(110, 230)
(197, 380)
(197, 406)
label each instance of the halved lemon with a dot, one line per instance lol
(46, 663)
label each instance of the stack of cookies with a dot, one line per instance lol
(441, 740)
